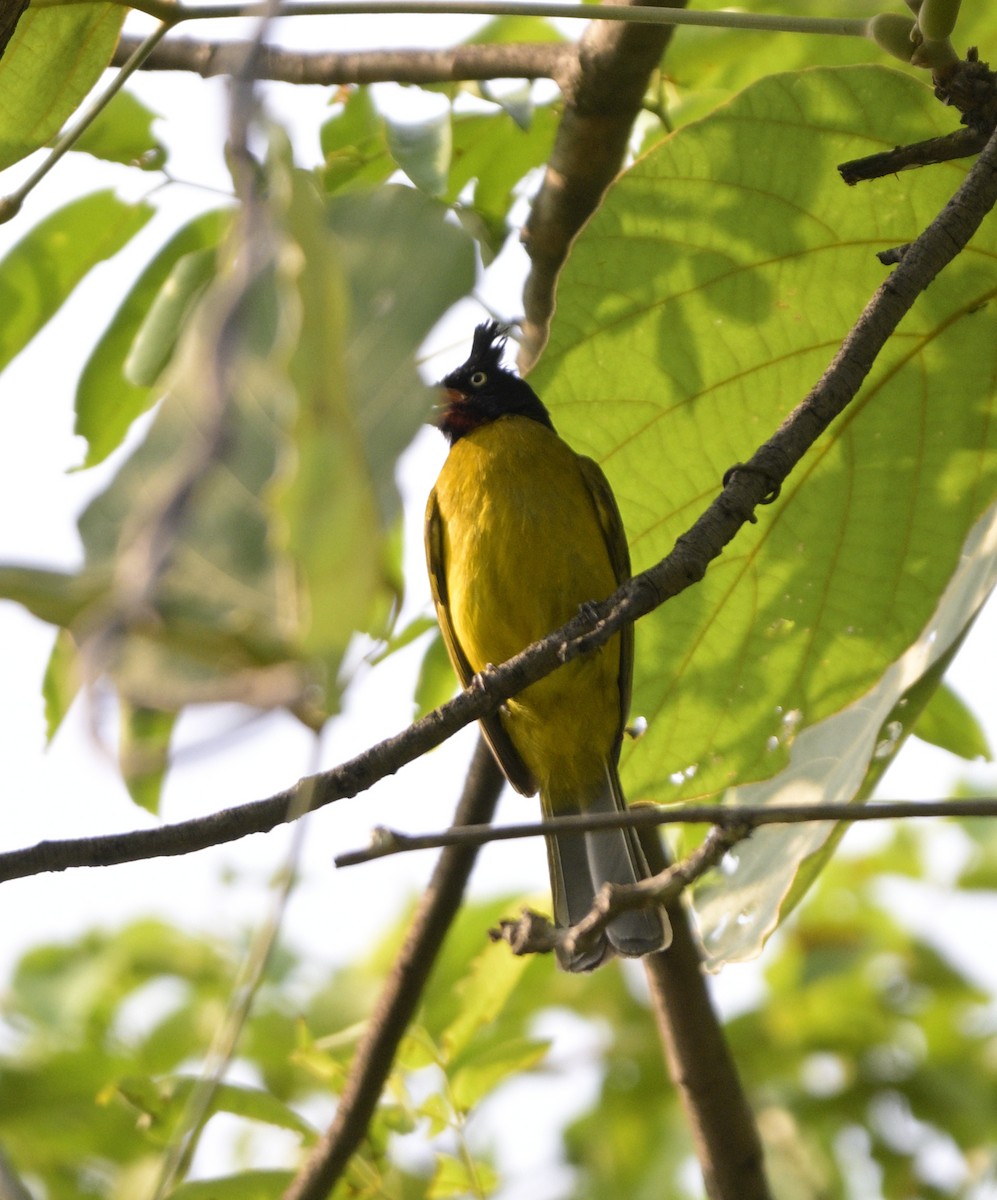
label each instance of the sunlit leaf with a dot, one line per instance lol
(480, 1073)
(483, 993)
(41, 271)
(458, 1177)
(805, 611)
(53, 60)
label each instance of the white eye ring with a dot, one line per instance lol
(479, 379)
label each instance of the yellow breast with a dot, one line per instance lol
(523, 549)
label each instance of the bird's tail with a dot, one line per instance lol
(580, 863)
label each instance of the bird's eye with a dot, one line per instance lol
(479, 379)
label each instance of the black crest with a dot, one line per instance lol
(481, 390)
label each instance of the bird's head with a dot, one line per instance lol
(481, 390)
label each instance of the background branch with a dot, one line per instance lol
(402, 992)
(526, 60)
(386, 842)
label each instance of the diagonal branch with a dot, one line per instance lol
(402, 992)
(523, 60)
(747, 486)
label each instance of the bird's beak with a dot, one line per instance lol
(448, 399)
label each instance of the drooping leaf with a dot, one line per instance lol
(53, 60)
(806, 611)
(122, 133)
(949, 723)
(41, 271)
(143, 751)
(106, 402)
(156, 338)
(61, 682)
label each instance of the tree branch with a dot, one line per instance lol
(526, 60)
(699, 1060)
(402, 991)
(747, 486)
(603, 96)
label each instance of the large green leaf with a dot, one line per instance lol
(40, 272)
(700, 304)
(54, 58)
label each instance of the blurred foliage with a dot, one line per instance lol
(866, 1034)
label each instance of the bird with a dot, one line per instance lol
(521, 532)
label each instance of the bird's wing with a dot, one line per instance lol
(619, 555)
(506, 754)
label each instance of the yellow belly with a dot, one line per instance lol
(524, 549)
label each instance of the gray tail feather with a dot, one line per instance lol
(580, 863)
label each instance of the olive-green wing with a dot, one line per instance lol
(506, 754)
(619, 555)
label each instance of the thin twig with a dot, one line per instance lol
(944, 238)
(385, 842)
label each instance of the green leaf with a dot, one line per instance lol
(811, 609)
(494, 153)
(482, 993)
(422, 149)
(106, 402)
(436, 681)
(355, 145)
(481, 1072)
(947, 722)
(156, 338)
(122, 133)
(61, 683)
(456, 1177)
(40, 272)
(247, 1185)
(143, 752)
(53, 60)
